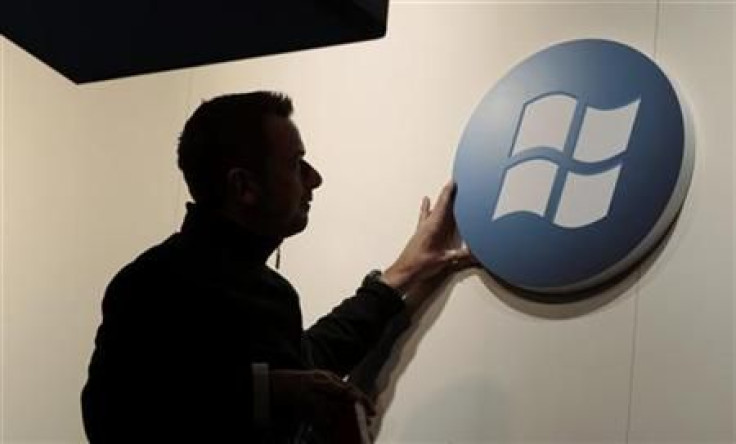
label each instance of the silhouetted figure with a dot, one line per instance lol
(201, 341)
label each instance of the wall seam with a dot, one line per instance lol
(639, 272)
(657, 15)
(2, 238)
(634, 334)
(733, 185)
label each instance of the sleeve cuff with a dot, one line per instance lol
(261, 389)
(373, 282)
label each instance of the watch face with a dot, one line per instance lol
(374, 274)
(572, 167)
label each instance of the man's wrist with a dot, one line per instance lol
(397, 278)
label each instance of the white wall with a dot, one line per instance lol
(88, 180)
(684, 310)
(2, 263)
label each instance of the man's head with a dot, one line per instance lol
(242, 155)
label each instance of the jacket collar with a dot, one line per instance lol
(209, 228)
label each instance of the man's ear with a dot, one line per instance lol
(243, 186)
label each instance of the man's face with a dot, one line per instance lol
(288, 180)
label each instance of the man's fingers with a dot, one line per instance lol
(455, 254)
(442, 217)
(331, 383)
(423, 210)
(444, 199)
(344, 393)
(467, 262)
(460, 259)
(351, 395)
(365, 401)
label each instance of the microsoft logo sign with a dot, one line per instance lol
(572, 167)
(581, 165)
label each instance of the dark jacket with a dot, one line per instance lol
(183, 323)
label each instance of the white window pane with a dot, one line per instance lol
(545, 123)
(586, 199)
(605, 133)
(526, 187)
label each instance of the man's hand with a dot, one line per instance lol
(431, 252)
(318, 396)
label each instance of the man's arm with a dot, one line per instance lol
(339, 341)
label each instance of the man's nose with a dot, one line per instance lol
(314, 179)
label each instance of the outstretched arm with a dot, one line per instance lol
(338, 341)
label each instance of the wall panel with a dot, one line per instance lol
(684, 361)
(89, 182)
(2, 237)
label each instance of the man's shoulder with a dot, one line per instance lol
(155, 269)
(177, 268)
(153, 261)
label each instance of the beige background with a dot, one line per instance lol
(88, 180)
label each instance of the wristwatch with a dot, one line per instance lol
(374, 275)
(374, 278)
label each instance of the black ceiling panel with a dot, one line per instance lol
(88, 40)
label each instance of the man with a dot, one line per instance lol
(201, 341)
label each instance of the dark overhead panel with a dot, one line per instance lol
(88, 40)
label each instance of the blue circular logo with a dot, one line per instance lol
(572, 167)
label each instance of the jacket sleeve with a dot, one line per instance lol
(341, 339)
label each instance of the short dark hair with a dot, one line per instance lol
(223, 132)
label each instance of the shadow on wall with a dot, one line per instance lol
(379, 373)
(446, 415)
